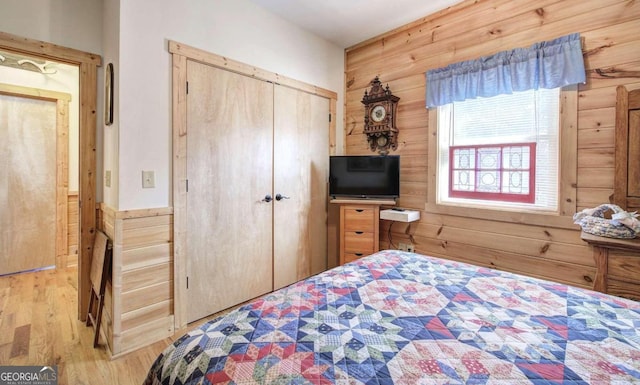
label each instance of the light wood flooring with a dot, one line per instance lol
(39, 326)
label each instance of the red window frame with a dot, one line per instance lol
(499, 169)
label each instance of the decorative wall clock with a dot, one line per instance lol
(380, 108)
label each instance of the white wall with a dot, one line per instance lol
(69, 23)
(237, 29)
(111, 148)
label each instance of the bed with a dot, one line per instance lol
(403, 318)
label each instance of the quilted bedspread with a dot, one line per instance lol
(402, 318)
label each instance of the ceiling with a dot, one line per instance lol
(348, 22)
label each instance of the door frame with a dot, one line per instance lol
(88, 64)
(181, 53)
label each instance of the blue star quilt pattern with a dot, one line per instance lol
(408, 319)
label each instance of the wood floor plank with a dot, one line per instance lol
(21, 338)
(7, 325)
(44, 308)
(22, 287)
(5, 352)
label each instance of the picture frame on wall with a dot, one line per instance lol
(108, 95)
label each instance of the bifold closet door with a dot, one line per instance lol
(301, 164)
(229, 172)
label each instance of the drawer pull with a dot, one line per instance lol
(359, 210)
(358, 254)
(359, 232)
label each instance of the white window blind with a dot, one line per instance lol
(529, 116)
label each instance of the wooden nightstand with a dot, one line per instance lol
(359, 227)
(617, 265)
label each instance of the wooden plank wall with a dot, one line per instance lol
(139, 302)
(610, 30)
(70, 258)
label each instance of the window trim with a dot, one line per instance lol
(568, 169)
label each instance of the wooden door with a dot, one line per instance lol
(301, 164)
(627, 170)
(27, 183)
(229, 172)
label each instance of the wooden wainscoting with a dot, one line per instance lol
(139, 301)
(70, 258)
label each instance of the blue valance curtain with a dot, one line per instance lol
(547, 64)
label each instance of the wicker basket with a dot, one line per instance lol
(621, 225)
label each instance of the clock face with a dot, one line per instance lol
(378, 113)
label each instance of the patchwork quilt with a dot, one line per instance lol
(403, 318)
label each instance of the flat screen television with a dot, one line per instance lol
(364, 176)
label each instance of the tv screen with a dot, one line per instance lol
(364, 176)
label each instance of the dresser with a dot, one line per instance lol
(359, 228)
(617, 265)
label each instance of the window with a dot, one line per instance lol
(500, 152)
(505, 121)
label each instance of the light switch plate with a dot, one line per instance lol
(148, 179)
(107, 178)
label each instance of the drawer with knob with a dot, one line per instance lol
(359, 219)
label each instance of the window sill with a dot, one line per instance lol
(521, 217)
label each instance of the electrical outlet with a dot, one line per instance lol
(107, 178)
(402, 246)
(411, 248)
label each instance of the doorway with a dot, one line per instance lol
(88, 64)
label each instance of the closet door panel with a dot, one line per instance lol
(301, 164)
(229, 171)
